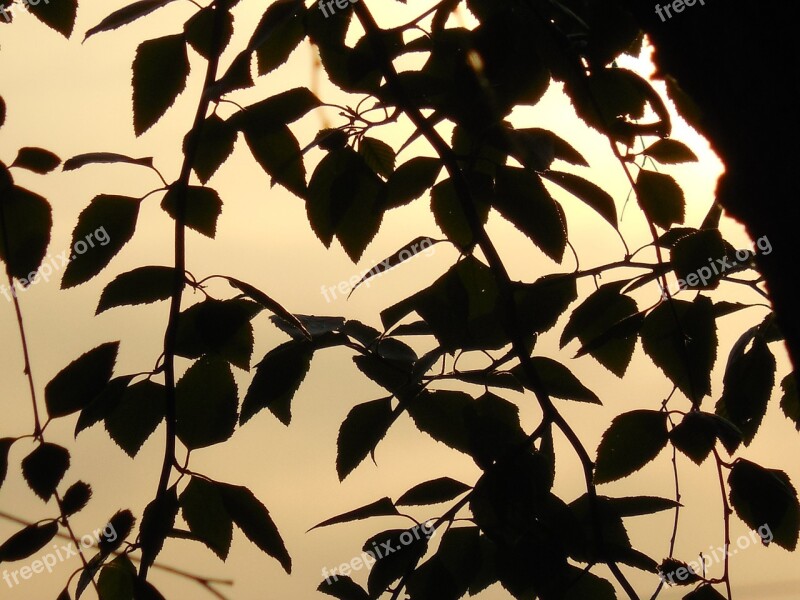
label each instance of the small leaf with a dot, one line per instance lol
(670, 152)
(103, 403)
(37, 160)
(365, 425)
(411, 180)
(115, 217)
(28, 222)
(275, 112)
(136, 415)
(160, 71)
(44, 468)
(28, 541)
(76, 498)
(206, 404)
(157, 521)
(410, 250)
(252, 517)
(278, 152)
(704, 592)
(143, 285)
(80, 381)
(203, 207)
(214, 146)
(695, 436)
(634, 439)
(121, 524)
(380, 508)
(343, 588)
(661, 198)
(91, 158)
(277, 379)
(279, 311)
(205, 513)
(790, 401)
(594, 196)
(378, 155)
(557, 380)
(435, 491)
(125, 15)
(634, 506)
(59, 16)
(199, 31)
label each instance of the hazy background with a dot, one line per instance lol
(72, 98)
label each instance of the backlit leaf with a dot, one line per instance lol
(142, 285)
(634, 439)
(80, 381)
(203, 207)
(160, 71)
(207, 404)
(365, 425)
(44, 468)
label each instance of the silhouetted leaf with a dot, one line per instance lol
(199, 31)
(59, 16)
(203, 207)
(279, 32)
(634, 439)
(634, 506)
(434, 491)
(252, 517)
(255, 294)
(391, 566)
(314, 325)
(449, 213)
(541, 304)
(44, 468)
(157, 521)
(380, 508)
(594, 196)
(126, 15)
(275, 112)
(766, 497)
(116, 580)
(80, 381)
(278, 152)
(695, 436)
(5, 447)
(378, 155)
(408, 251)
(205, 513)
(660, 198)
(704, 592)
(365, 425)
(28, 541)
(143, 285)
(103, 403)
(677, 572)
(136, 415)
(2, 111)
(113, 216)
(160, 71)
(214, 146)
(76, 498)
(121, 523)
(343, 588)
(522, 199)
(207, 404)
(790, 401)
(91, 158)
(411, 180)
(557, 380)
(37, 160)
(28, 221)
(277, 379)
(694, 258)
(669, 151)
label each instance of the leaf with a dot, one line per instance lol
(205, 513)
(523, 200)
(670, 152)
(704, 592)
(592, 195)
(411, 180)
(214, 145)
(343, 588)
(661, 198)
(199, 31)
(157, 521)
(279, 32)
(694, 258)
(557, 380)
(315, 326)
(380, 508)
(59, 16)
(541, 304)
(252, 517)
(203, 207)
(91, 158)
(685, 350)
(378, 155)
(765, 498)
(277, 379)
(116, 580)
(695, 436)
(125, 15)
(536, 148)
(434, 491)
(449, 212)
(28, 541)
(790, 401)
(634, 439)
(278, 152)
(80, 381)
(597, 315)
(37, 160)
(136, 415)
(121, 523)
(76, 498)
(102, 404)
(115, 217)
(26, 235)
(2, 111)
(276, 111)
(634, 506)
(44, 468)
(364, 426)
(279, 311)
(408, 251)
(160, 71)
(5, 447)
(207, 404)
(747, 387)
(143, 285)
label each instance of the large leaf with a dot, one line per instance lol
(661, 198)
(541, 304)
(207, 404)
(199, 31)
(143, 285)
(28, 541)
(202, 209)
(59, 16)
(113, 216)
(214, 146)
(278, 152)
(557, 380)
(132, 418)
(276, 111)
(157, 522)
(24, 238)
(204, 511)
(44, 468)
(160, 71)
(127, 14)
(594, 196)
(411, 180)
(277, 379)
(252, 517)
(378, 155)
(434, 491)
(116, 580)
(634, 439)
(448, 209)
(279, 32)
(765, 499)
(80, 381)
(365, 425)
